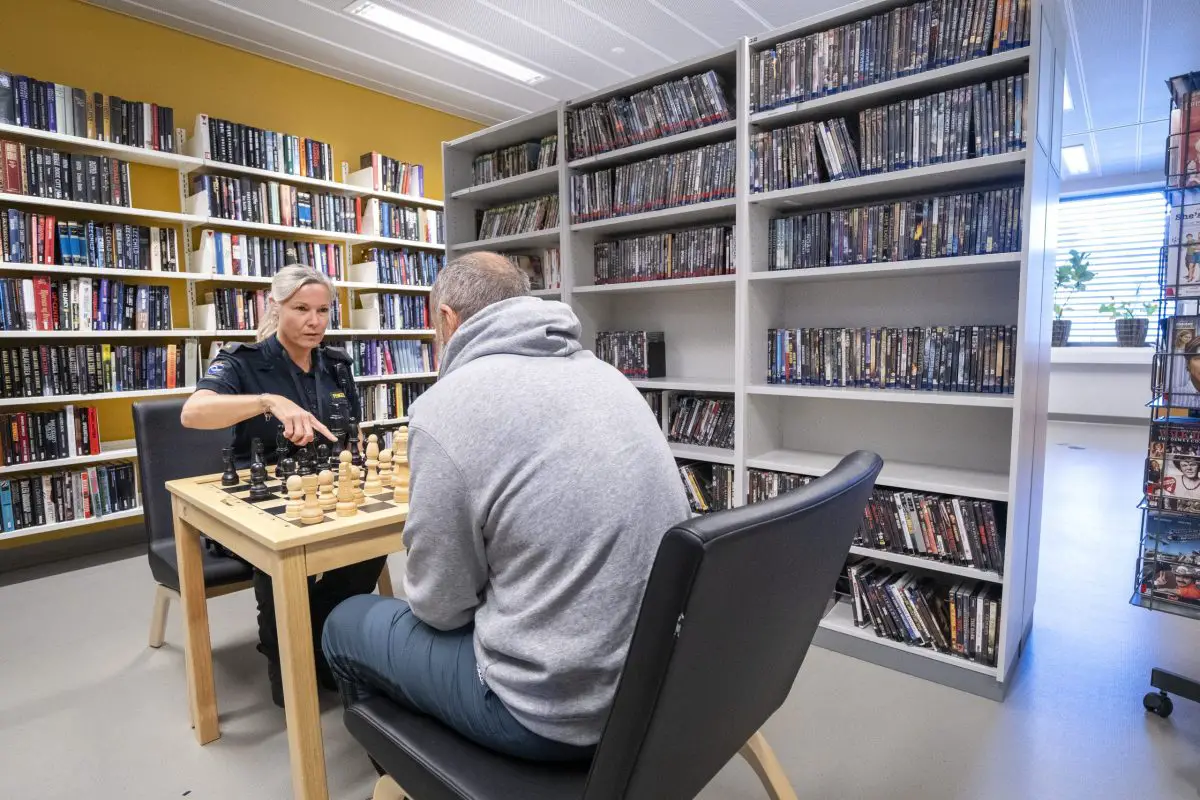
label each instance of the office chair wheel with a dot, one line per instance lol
(1158, 703)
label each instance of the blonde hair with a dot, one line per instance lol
(286, 283)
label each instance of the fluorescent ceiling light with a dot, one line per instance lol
(1075, 157)
(420, 32)
(1068, 104)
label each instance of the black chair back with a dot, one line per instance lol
(168, 451)
(728, 614)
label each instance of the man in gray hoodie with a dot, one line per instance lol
(541, 486)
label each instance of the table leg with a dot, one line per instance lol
(202, 694)
(294, 621)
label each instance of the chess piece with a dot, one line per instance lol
(355, 457)
(311, 513)
(288, 468)
(323, 458)
(229, 477)
(281, 448)
(295, 487)
(400, 467)
(360, 497)
(346, 507)
(372, 484)
(325, 497)
(258, 474)
(304, 466)
(385, 468)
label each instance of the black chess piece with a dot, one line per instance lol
(288, 468)
(323, 461)
(258, 473)
(229, 477)
(281, 451)
(304, 462)
(355, 457)
(337, 426)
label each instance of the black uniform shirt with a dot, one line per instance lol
(266, 368)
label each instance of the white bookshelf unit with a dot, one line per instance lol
(979, 446)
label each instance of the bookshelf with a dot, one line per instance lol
(193, 330)
(973, 445)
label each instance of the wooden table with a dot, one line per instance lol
(289, 553)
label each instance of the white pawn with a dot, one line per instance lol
(295, 487)
(372, 485)
(360, 497)
(400, 467)
(385, 468)
(325, 498)
(311, 513)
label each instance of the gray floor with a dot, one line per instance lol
(87, 711)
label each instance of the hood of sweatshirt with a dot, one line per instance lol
(522, 326)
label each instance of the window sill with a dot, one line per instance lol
(1134, 356)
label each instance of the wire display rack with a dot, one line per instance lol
(1168, 569)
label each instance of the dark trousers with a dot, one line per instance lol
(323, 596)
(377, 646)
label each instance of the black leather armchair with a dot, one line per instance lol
(727, 617)
(166, 451)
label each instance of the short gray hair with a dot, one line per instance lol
(471, 283)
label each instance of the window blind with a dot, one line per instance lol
(1123, 233)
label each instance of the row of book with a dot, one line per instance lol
(248, 200)
(395, 312)
(389, 400)
(82, 304)
(692, 253)
(258, 148)
(904, 41)
(970, 223)
(391, 356)
(957, 530)
(31, 437)
(709, 487)
(237, 309)
(393, 175)
(71, 111)
(543, 270)
(58, 175)
(983, 119)
(50, 370)
(527, 216)
(683, 104)
(653, 398)
(67, 495)
(785, 158)
(263, 256)
(764, 484)
(635, 354)
(960, 618)
(413, 224)
(699, 420)
(517, 159)
(404, 267)
(666, 181)
(30, 238)
(951, 358)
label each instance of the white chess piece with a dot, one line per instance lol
(372, 485)
(325, 498)
(311, 513)
(385, 468)
(295, 487)
(346, 507)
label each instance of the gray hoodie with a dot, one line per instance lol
(541, 487)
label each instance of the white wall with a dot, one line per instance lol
(1112, 383)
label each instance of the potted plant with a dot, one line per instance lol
(1071, 277)
(1131, 320)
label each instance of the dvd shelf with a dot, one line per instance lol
(856, 266)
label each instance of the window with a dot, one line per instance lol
(1123, 235)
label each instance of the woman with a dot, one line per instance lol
(287, 381)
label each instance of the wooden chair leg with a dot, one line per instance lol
(762, 759)
(158, 617)
(386, 789)
(385, 582)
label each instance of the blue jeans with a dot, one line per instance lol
(376, 645)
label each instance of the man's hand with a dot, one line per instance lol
(299, 426)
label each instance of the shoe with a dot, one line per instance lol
(275, 677)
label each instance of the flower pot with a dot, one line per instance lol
(1060, 333)
(1131, 332)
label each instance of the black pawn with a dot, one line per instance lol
(304, 462)
(258, 474)
(289, 468)
(322, 457)
(281, 448)
(229, 477)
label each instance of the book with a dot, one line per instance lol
(517, 159)
(709, 487)
(50, 370)
(224, 253)
(1180, 362)
(405, 267)
(1172, 479)
(690, 253)
(636, 354)
(259, 148)
(701, 420)
(82, 304)
(1183, 247)
(57, 175)
(527, 216)
(74, 494)
(390, 356)
(389, 400)
(1183, 170)
(393, 175)
(414, 224)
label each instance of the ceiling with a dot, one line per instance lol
(1121, 51)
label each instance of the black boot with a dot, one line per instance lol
(268, 636)
(274, 676)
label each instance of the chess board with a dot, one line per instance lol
(277, 502)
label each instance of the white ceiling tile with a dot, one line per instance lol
(1109, 36)
(781, 13)
(1118, 150)
(639, 19)
(1153, 146)
(1174, 49)
(723, 21)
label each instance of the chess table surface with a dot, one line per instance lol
(264, 520)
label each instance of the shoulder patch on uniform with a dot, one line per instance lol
(217, 368)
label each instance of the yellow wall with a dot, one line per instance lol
(91, 48)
